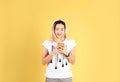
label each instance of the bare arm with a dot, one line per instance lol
(46, 57)
(71, 58)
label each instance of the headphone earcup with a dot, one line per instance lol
(66, 30)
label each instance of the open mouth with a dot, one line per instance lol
(59, 34)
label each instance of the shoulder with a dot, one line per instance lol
(70, 42)
(46, 43)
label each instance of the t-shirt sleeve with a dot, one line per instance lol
(46, 44)
(72, 44)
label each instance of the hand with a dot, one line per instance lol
(63, 50)
(55, 50)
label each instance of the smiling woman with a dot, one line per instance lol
(58, 53)
(59, 30)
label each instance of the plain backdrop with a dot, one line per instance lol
(93, 24)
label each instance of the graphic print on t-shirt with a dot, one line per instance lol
(58, 58)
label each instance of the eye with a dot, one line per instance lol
(57, 29)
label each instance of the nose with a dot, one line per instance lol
(59, 32)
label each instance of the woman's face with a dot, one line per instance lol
(59, 31)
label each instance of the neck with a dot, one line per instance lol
(61, 39)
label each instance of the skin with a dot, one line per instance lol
(46, 57)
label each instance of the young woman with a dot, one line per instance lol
(58, 53)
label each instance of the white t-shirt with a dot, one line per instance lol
(59, 67)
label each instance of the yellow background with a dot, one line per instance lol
(93, 24)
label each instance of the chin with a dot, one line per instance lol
(59, 37)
